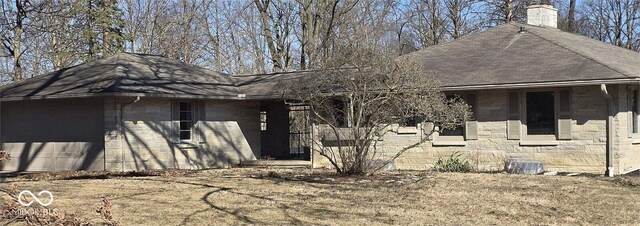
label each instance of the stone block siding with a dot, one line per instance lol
(231, 134)
(585, 152)
(626, 154)
(232, 131)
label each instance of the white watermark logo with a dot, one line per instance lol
(23, 201)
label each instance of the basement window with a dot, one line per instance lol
(186, 120)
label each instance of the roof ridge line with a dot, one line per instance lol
(115, 71)
(578, 53)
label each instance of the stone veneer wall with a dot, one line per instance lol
(627, 150)
(231, 131)
(585, 152)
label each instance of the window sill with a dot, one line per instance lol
(449, 143)
(635, 140)
(187, 144)
(407, 130)
(539, 143)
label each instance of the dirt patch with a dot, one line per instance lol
(270, 196)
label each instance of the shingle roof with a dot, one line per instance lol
(500, 57)
(269, 85)
(126, 74)
(503, 56)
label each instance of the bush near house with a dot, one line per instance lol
(361, 94)
(454, 163)
(4, 156)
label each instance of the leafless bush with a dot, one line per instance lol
(360, 95)
(4, 155)
(105, 212)
(12, 211)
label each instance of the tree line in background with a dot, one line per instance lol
(261, 36)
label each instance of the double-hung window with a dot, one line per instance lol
(186, 120)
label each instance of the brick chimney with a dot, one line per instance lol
(543, 15)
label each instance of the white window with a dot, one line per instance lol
(263, 120)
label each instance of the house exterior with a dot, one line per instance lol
(537, 93)
(134, 112)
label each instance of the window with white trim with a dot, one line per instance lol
(263, 120)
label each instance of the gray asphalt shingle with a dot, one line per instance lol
(503, 55)
(500, 56)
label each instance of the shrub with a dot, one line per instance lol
(453, 163)
(4, 155)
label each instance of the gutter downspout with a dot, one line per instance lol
(122, 126)
(609, 155)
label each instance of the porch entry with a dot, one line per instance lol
(285, 131)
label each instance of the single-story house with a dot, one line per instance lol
(137, 112)
(537, 93)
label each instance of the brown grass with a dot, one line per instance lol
(262, 196)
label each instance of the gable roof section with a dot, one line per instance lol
(503, 57)
(126, 74)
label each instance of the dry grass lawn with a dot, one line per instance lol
(256, 196)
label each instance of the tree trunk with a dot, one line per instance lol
(17, 39)
(571, 20)
(263, 7)
(508, 11)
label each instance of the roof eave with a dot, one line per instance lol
(543, 84)
(88, 95)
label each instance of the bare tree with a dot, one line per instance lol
(318, 21)
(571, 18)
(506, 11)
(277, 26)
(14, 16)
(360, 96)
(612, 21)
(461, 18)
